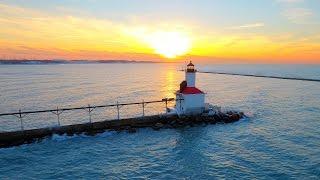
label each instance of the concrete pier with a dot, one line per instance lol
(15, 138)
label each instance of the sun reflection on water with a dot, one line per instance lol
(170, 83)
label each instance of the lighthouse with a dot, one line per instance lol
(189, 99)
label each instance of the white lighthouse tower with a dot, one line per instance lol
(189, 99)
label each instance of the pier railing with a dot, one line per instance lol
(89, 109)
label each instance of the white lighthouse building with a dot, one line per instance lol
(189, 99)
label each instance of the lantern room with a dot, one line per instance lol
(190, 67)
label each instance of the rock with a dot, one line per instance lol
(90, 133)
(175, 126)
(190, 123)
(229, 113)
(132, 130)
(173, 122)
(157, 126)
(168, 126)
(216, 117)
(234, 117)
(70, 133)
(198, 120)
(226, 119)
(207, 119)
(180, 121)
(99, 131)
(118, 129)
(213, 120)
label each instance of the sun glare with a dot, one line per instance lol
(169, 44)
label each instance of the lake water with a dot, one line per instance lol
(279, 140)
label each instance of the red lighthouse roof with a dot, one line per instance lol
(190, 64)
(191, 90)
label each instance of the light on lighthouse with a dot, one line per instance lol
(190, 67)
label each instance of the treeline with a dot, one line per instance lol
(69, 61)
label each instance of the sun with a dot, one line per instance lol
(169, 44)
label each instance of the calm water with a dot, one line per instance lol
(280, 140)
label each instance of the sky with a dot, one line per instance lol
(221, 31)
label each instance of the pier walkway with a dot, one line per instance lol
(165, 120)
(89, 109)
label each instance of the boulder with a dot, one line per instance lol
(212, 120)
(234, 117)
(90, 133)
(216, 117)
(157, 126)
(198, 120)
(132, 130)
(173, 122)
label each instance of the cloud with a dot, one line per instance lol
(290, 1)
(293, 11)
(248, 26)
(298, 15)
(35, 29)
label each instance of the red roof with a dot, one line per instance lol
(190, 64)
(191, 90)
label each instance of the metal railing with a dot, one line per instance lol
(58, 111)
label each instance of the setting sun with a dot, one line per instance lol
(169, 44)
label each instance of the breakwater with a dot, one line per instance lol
(262, 76)
(15, 138)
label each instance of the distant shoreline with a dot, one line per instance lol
(35, 62)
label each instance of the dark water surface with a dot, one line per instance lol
(280, 140)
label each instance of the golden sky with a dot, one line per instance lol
(268, 31)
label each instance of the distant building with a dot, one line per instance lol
(189, 99)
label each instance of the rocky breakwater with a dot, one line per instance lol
(204, 119)
(131, 125)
